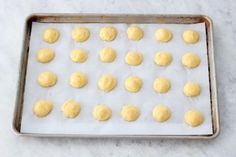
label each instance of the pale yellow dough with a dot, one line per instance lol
(107, 82)
(190, 36)
(107, 54)
(42, 108)
(193, 118)
(70, 109)
(134, 33)
(130, 113)
(78, 55)
(80, 34)
(163, 35)
(190, 60)
(50, 35)
(133, 58)
(108, 33)
(78, 80)
(101, 112)
(163, 58)
(191, 89)
(45, 55)
(161, 85)
(47, 79)
(161, 113)
(133, 84)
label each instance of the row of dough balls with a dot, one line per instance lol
(107, 82)
(109, 33)
(71, 109)
(134, 58)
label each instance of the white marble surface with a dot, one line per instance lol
(12, 17)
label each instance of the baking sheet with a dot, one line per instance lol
(89, 96)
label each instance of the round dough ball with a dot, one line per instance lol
(107, 54)
(191, 89)
(70, 109)
(193, 118)
(50, 35)
(134, 33)
(78, 80)
(133, 58)
(161, 85)
(101, 112)
(163, 58)
(161, 113)
(45, 55)
(163, 35)
(78, 55)
(190, 60)
(130, 113)
(107, 82)
(42, 108)
(133, 84)
(108, 33)
(80, 34)
(190, 36)
(47, 79)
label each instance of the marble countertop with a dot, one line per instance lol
(12, 17)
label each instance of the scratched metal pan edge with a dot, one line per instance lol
(116, 18)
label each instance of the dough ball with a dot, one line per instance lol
(193, 118)
(78, 80)
(161, 85)
(133, 58)
(161, 113)
(47, 79)
(101, 112)
(42, 108)
(190, 60)
(80, 34)
(163, 35)
(50, 35)
(133, 84)
(108, 33)
(70, 109)
(190, 36)
(163, 58)
(107, 54)
(191, 89)
(134, 33)
(78, 55)
(45, 55)
(130, 113)
(107, 82)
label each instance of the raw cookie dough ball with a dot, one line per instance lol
(101, 112)
(191, 89)
(161, 113)
(163, 35)
(190, 36)
(107, 54)
(134, 33)
(161, 85)
(47, 79)
(108, 33)
(190, 60)
(80, 34)
(130, 113)
(78, 55)
(163, 58)
(45, 55)
(133, 58)
(133, 84)
(70, 108)
(42, 108)
(107, 82)
(78, 80)
(50, 35)
(193, 118)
